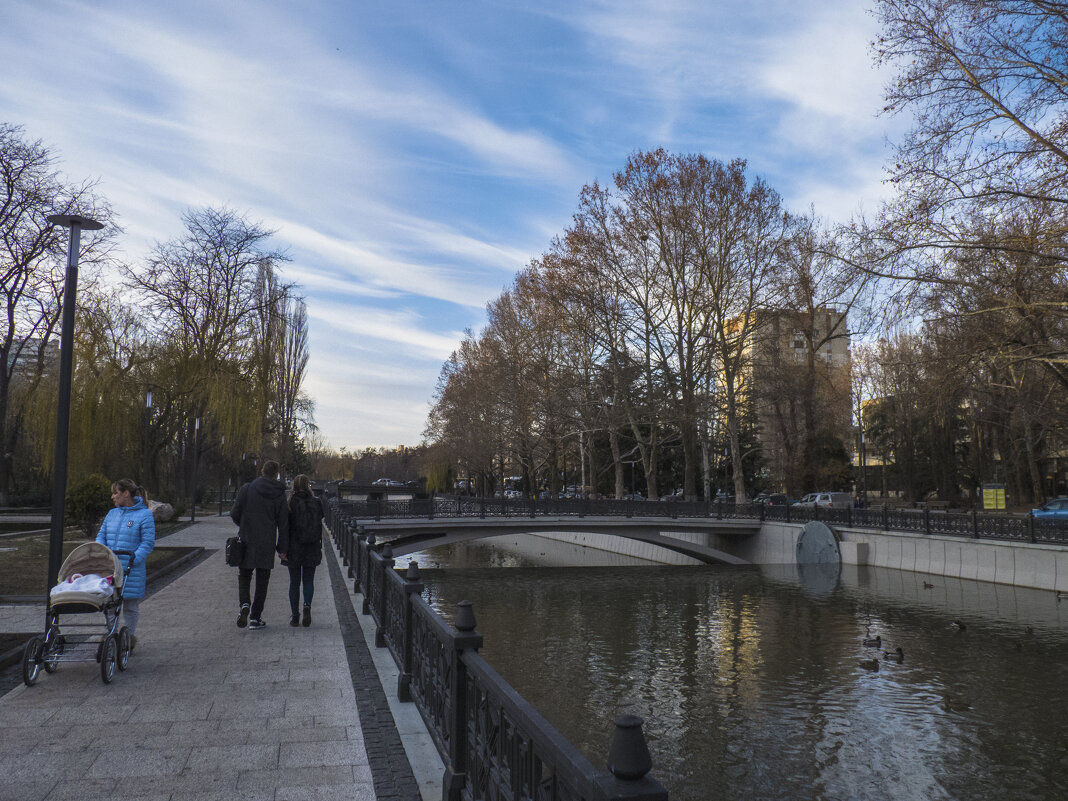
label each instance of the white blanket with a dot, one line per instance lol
(89, 583)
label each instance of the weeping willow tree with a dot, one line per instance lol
(216, 309)
(191, 372)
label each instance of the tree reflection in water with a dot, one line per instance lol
(750, 680)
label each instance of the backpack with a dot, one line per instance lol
(305, 519)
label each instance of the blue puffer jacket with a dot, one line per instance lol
(130, 528)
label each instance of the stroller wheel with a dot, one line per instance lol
(54, 649)
(124, 648)
(31, 661)
(109, 650)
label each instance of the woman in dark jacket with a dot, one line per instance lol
(305, 546)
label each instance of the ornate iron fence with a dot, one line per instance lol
(977, 525)
(494, 744)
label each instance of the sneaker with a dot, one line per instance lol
(294, 620)
(307, 615)
(256, 623)
(242, 619)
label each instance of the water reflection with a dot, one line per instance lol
(751, 680)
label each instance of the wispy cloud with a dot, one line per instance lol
(413, 157)
(370, 328)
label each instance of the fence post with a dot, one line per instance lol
(383, 605)
(1031, 527)
(465, 638)
(927, 520)
(412, 586)
(365, 579)
(358, 549)
(350, 542)
(886, 518)
(975, 523)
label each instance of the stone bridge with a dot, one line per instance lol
(409, 535)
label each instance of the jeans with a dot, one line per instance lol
(244, 582)
(298, 576)
(131, 609)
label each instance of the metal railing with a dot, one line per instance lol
(494, 744)
(973, 524)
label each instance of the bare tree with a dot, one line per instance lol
(985, 168)
(820, 303)
(742, 231)
(32, 263)
(292, 407)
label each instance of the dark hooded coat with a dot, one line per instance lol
(305, 530)
(262, 516)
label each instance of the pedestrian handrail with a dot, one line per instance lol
(973, 524)
(494, 743)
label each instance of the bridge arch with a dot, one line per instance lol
(417, 535)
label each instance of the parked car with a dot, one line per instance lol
(771, 499)
(512, 493)
(831, 500)
(634, 496)
(380, 482)
(1055, 509)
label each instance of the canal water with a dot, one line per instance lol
(755, 683)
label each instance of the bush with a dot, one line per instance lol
(87, 503)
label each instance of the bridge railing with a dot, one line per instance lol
(493, 743)
(977, 525)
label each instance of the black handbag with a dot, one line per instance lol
(235, 551)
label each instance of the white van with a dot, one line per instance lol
(831, 500)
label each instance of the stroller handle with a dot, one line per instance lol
(126, 570)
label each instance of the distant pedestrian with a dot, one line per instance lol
(262, 517)
(130, 527)
(305, 547)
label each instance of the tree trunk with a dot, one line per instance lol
(617, 463)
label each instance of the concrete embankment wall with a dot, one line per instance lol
(1042, 567)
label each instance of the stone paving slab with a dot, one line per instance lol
(205, 711)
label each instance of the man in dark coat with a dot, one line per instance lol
(262, 516)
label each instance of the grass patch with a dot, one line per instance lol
(24, 568)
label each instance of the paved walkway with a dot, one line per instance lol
(209, 711)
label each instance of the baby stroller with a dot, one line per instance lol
(90, 581)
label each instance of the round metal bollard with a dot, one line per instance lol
(465, 616)
(628, 756)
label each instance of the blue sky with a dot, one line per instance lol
(413, 156)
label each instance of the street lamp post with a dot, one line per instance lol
(193, 505)
(145, 447)
(66, 366)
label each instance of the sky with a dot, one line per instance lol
(412, 157)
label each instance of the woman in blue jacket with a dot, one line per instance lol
(130, 527)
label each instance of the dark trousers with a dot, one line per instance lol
(301, 576)
(244, 582)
